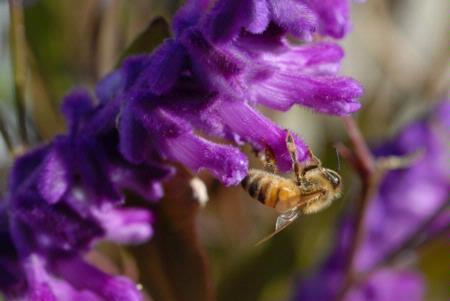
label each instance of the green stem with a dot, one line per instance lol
(6, 137)
(19, 64)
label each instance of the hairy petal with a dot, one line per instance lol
(164, 68)
(84, 276)
(189, 15)
(334, 16)
(249, 125)
(295, 17)
(126, 225)
(110, 86)
(324, 94)
(54, 179)
(226, 162)
(227, 19)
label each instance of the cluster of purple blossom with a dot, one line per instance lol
(406, 199)
(222, 61)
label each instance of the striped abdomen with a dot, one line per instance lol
(271, 190)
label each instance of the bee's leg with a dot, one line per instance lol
(290, 143)
(269, 161)
(315, 159)
(267, 158)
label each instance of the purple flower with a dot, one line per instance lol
(193, 84)
(406, 198)
(409, 195)
(64, 196)
(158, 108)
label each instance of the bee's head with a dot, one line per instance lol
(324, 177)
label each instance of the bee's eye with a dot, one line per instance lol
(333, 177)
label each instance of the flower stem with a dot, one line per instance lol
(362, 152)
(6, 137)
(370, 176)
(19, 65)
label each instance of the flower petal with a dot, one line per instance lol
(334, 16)
(54, 178)
(76, 106)
(189, 15)
(110, 86)
(257, 129)
(126, 225)
(295, 17)
(25, 167)
(226, 162)
(164, 68)
(227, 18)
(325, 94)
(208, 59)
(134, 139)
(82, 275)
(39, 288)
(260, 17)
(145, 179)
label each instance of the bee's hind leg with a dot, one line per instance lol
(269, 161)
(267, 158)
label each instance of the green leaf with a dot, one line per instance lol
(173, 265)
(150, 38)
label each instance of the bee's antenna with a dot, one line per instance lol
(338, 160)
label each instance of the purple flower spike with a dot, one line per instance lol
(226, 56)
(425, 184)
(407, 198)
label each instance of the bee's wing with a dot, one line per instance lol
(283, 221)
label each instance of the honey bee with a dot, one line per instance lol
(313, 189)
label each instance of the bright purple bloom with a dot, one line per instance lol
(159, 108)
(406, 198)
(191, 83)
(63, 197)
